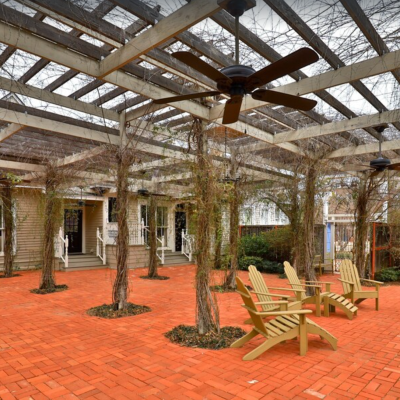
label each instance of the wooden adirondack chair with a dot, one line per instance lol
(261, 290)
(330, 300)
(351, 283)
(287, 325)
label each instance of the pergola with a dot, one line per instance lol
(110, 73)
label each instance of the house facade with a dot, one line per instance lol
(88, 230)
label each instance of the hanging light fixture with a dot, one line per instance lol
(143, 191)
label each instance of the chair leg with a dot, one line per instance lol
(303, 335)
(240, 342)
(377, 304)
(318, 306)
(326, 306)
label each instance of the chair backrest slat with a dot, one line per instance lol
(344, 274)
(252, 308)
(348, 272)
(258, 283)
(293, 278)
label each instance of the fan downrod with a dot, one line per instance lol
(236, 7)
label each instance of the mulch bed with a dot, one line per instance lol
(12, 276)
(155, 278)
(223, 289)
(108, 311)
(188, 336)
(57, 288)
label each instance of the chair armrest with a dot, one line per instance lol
(318, 282)
(344, 280)
(284, 296)
(260, 303)
(369, 280)
(287, 289)
(277, 313)
(316, 286)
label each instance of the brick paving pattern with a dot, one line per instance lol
(50, 348)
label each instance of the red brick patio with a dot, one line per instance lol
(50, 349)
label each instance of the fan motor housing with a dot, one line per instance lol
(236, 7)
(380, 163)
(238, 74)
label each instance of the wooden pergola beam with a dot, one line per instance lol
(177, 22)
(338, 126)
(9, 130)
(366, 27)
(57, 99)
(21, 166)
(364, 149)
(45, 49)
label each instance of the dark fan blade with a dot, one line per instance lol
(282, 67)
(283, 99)
(199, 65)
(375, 173)
(232, 110)
(185, 97)
(395, 167)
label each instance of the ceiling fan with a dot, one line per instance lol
(380, 163)
(238, 80)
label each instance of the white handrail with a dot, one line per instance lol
(187, 244)
(63, 249)
(101, 247)
(162, 247)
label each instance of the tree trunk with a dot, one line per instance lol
(153, 263)
(308, 226)
(218, 237)
(361, 225)
(52, 212)
(230, 281)
(6, 195)
(294, 215)
(207, 315)
(120, 289)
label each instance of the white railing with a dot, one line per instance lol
(161, 248)
(136, 234)
(187, 244)
(63, 247)
(101, 247)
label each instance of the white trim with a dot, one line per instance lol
(83, 230)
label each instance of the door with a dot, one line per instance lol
(73, 228)
(180, 224)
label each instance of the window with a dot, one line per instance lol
(264, 215)
(112, 209)
(1, 229)
(161, 220)
(247, 215)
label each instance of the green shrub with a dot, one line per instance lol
(274, 245)
(254, 246)
(279, 243)
(245, 262)
(388, 275)
(344, 255)
(272, 267)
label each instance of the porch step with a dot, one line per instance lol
(176, 258)
(78, 262)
